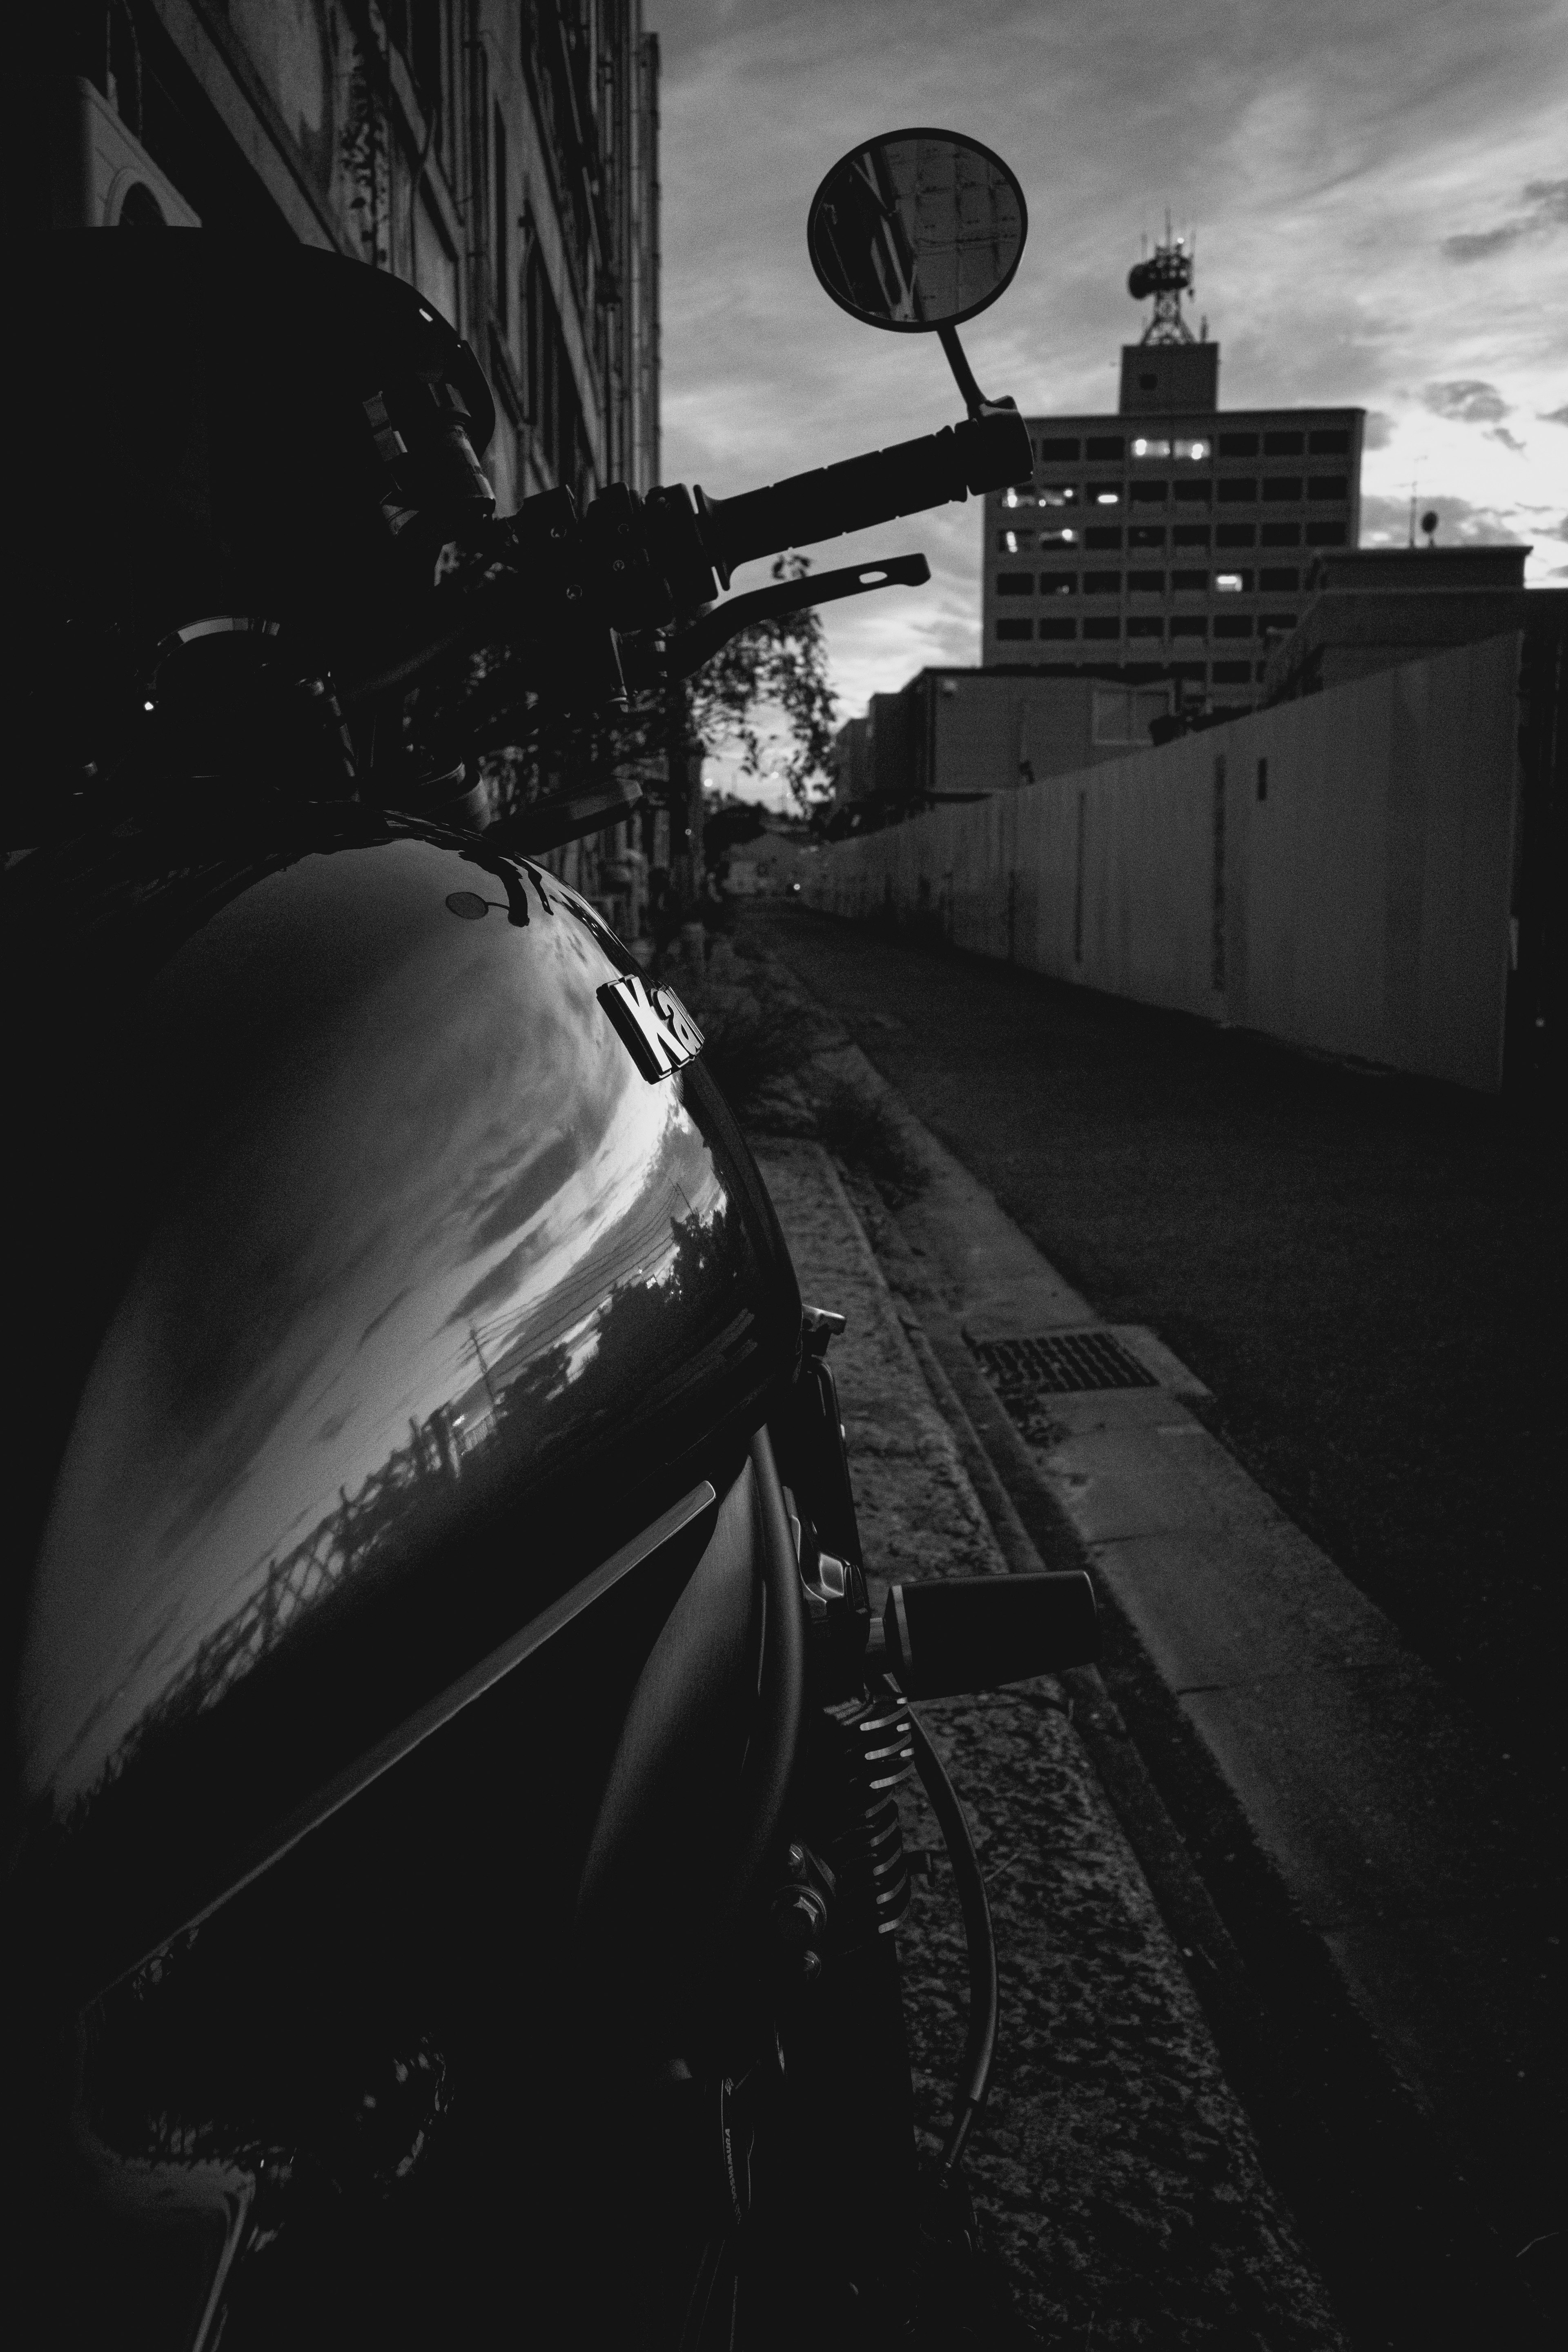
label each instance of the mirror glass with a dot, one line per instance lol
(917, 231)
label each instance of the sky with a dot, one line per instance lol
(1379, 190)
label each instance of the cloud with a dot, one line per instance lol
(1472, 402)
(1322, 154)
(1556, 415)
(1500, 433)
(1547, 208)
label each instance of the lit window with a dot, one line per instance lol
(1107, 498)
(1059, 494)
(1059, 537)
(1194, 449)
(1229, 583)
(1011, 541)
(1142, 448)
(1009, 498)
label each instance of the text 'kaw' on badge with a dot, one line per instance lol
(653, 1024)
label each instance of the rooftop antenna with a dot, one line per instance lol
(1167, 275)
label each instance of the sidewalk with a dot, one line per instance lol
(1116, 2171)
(1364, 1871)
(1369, 1788)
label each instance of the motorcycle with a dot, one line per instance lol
(456, 1861)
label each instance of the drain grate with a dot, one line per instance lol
(1060, 1364)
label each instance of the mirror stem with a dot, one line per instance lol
(974, 400)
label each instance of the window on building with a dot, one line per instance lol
(1106, 536)
(1329, 444)
(1190, 624)
(1185, 582)
(1103, 583)
(1057, 453)
(550, 387)
(1233, 583)
(1106, 497)
(1190, 534)
(1281, 534)
(1014, 583)
(1150, 494)
(1124, 714)
(1017, 499)
(1015, 542)
(1230, 673)
(1281, 487)
(1008, 630)
(425, 45)
(1327, 486)
(1052, 627)
(502, 252)
(1196, 669)
(1106, 446)
(1263, 779)
(1146, 626)
(1058, 539)
(1145, 448)
(1147, 534)
(1146, 584)
(1195, 493)
(1195, 451)
(1058, 494)
(1102, 628)
(1283, 445)
(1238, 445)
(1276, 625)
(1232, 624)
(1236, 535)
(1059, 584)
(1238, 489)
(1275, 576)
(1325, 534)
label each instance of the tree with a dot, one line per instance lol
(773, 665)
(781, 664)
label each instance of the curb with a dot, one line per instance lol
(1393, 2223)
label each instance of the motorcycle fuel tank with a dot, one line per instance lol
(414, 1295)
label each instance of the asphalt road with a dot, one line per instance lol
(1366, 1270)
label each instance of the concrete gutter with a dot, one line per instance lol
(1119, 2183)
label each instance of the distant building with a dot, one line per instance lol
(1168, 542)
(1375, 607)
(960, 734)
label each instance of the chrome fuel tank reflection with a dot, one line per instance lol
(428, 1235)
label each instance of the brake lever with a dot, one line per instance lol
(700, 640)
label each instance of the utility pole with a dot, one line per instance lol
(484, 1371)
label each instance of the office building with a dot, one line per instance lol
(1167, 544)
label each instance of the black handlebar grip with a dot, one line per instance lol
(952, 1634)
(984, 453)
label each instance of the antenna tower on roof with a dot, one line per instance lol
(1167, 275)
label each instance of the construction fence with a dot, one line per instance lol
(1335, 872)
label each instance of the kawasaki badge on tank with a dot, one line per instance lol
(455, 1866)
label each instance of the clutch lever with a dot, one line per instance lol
(700, 640)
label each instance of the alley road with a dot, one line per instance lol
(1366, 1270)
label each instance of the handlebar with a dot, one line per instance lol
(984, 452)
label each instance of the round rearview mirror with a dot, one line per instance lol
(917, 231)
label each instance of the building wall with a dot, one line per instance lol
(1170, 546)
(1336, 872)
(504, 160)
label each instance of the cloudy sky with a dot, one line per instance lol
(1379, 190)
